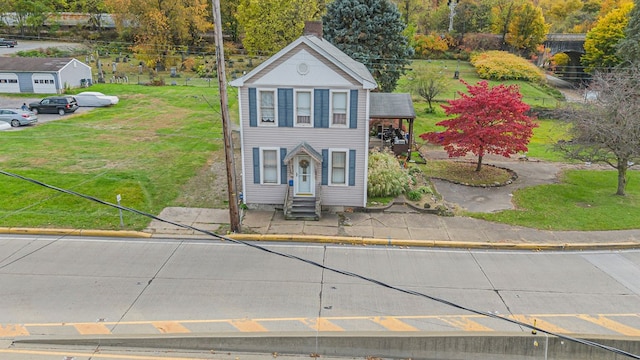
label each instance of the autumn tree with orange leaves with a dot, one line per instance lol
(491, 120)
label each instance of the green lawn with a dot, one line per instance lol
(545, 136)
(145, 148)
(584, 200)
(157, 139)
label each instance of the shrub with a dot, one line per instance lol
(189, 64)
(561, 59)
(481, 42)
(501, 65)
(414, 195)
(427, 46)
(386, 176)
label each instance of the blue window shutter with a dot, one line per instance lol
(353, 109)
(256, 165)
(283, 166)
(321, 108)
(253, 108)
(352, 167)
(325, 167)
(285, 107)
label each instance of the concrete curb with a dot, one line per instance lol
(341, 240)
(434, 243)
(432, 345)
(74, 232)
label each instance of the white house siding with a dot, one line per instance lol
(74, 73)
(319, 139)
(284, 72)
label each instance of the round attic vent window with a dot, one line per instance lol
(303, 68)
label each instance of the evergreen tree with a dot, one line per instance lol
(628, 49)
(370, 31)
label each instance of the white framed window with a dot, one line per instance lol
(303, 108)
(270, 165)
(339, 101)
(267, 107)
(338, 167)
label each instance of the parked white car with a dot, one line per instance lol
(93, 98)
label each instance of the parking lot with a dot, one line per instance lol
(7, 102)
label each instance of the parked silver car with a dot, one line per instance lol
(17, 117)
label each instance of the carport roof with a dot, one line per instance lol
(391, 106)
(26, 64)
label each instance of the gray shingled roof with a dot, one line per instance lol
(391, 106)
(24, 64)
(303, 147)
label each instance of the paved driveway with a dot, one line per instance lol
(16, 102)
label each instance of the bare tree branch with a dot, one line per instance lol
(607, 129)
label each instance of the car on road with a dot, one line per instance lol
(17, 117)
(94, 98)
(55, 105)
(7, 42)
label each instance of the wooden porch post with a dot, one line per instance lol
(410, 138)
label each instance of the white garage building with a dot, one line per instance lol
(42, 75)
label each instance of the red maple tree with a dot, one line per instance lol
(490, 121)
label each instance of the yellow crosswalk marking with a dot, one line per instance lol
(321, 324)
(542, 324)
(393, 324)
(464, 323)
(13, 330)
(92, 329)
(248, 326)
(611, 325)
(170, 327)
(470, 323)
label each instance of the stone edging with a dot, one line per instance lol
(513, 178)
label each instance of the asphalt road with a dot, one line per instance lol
(123, 286)
(25, 45)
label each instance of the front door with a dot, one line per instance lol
(304, 184)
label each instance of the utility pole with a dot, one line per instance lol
(234, 214)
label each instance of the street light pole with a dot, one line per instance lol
(234, 215)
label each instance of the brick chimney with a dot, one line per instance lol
(313, 28)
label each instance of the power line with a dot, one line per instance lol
(332, 269)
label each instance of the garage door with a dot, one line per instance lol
(9, 83)
(43, 84)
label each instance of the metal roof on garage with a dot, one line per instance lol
(391, 106)
(26, 64)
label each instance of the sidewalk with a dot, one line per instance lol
(399, 226)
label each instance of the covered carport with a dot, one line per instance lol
(393, 109)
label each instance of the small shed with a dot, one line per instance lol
(394, 107)
(42, 75)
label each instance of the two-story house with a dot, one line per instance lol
(304, 128)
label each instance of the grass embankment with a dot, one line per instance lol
(145, 148)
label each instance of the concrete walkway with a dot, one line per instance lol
(399, 225)
(403, 226)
